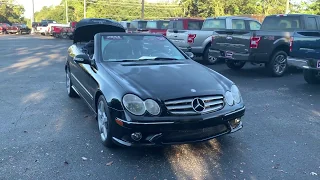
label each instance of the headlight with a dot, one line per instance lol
(229, 98)
(134, 104)
(152, 107)
(235, 94)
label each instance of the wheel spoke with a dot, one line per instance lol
(102, 121)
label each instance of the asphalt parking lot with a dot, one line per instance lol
(46, 135)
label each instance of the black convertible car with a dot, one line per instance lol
(145, 91)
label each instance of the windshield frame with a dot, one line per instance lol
(99, 36)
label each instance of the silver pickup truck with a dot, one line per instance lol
(199, 41)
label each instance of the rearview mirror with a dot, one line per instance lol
(190, 54)
(82, 58)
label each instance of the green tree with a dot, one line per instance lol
(10, 12)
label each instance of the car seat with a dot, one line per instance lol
(239, 26)
(283, 25)
(294, 24)
(89, 47)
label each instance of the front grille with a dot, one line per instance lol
(193, 135)
(184, 106)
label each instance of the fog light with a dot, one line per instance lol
(136, 136)
(235, 123)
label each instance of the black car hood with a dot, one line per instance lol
(167, 79)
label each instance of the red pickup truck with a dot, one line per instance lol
(18, 28)
(3, 28)
(158, 26)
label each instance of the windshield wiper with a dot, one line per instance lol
(158, 58)
(132, 60)
(146, 59)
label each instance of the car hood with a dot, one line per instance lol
(167, 79)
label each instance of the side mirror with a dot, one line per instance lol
(190, 54)
(82, 58)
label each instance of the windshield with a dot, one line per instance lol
(120, 48)
(138, 24)
(281, 23)
(214, 24)
(157, 24)
(176, 24)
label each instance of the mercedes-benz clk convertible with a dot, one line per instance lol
(145, 91)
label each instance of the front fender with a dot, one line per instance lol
(206, 42)
(110, 89)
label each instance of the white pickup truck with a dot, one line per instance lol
(42, 28)
(199, 41)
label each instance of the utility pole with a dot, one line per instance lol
(142, 9)
(67, 18)
(32, 17)
(287, 7)
(84, 9)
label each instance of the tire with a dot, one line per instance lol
(207, 58)
(105, 124)
(310, 76)
(71, 92)
(278, 64)
(235, 65)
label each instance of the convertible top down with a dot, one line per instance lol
(146, 91)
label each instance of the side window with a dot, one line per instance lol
(238, 24)
(311, 23)
(194, 25)
(254, 25)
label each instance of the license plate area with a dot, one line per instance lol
(318, 64)
(228, 54)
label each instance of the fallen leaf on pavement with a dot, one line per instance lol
(314, 174)
(109, 163)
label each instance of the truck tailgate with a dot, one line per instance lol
(232, 40)
(178, 37)
(306, 45)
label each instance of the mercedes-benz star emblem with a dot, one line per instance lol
(198, 105)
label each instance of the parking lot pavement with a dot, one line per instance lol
(44, 134)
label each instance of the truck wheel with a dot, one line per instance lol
(311, 76)
(207, 58)
(235, 65)
(278, 64)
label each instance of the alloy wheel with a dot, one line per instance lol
(212, 59)
(102, 121)
(68, 82)
(280, 64)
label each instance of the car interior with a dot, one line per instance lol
(88, 48)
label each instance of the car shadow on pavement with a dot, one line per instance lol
(187, 161)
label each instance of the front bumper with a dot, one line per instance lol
(311, 64)
(177, 132)
(185, 49)
(12, 31)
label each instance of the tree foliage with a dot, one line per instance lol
(131, 9)
(10, 12)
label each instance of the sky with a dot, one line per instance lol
(38, 4)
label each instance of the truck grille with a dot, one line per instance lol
(184, 106)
